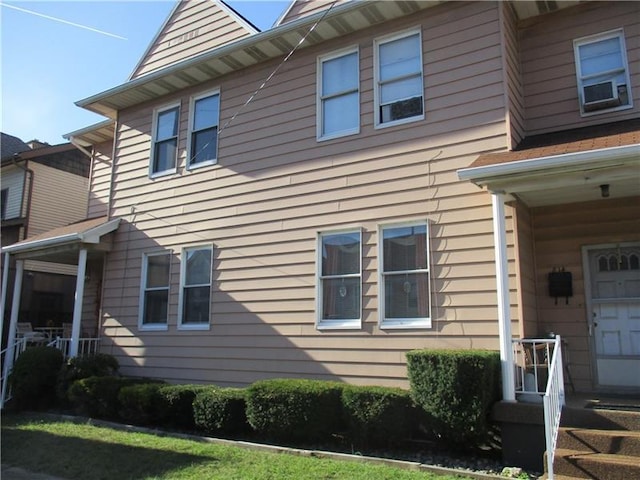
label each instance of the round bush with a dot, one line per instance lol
(33, 378)
(175, 405)
(77, 368)
(221, 410)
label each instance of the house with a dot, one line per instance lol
(364, 179)
(42, 187)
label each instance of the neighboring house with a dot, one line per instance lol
(42, 187)
(324, 223)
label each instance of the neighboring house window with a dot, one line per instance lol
(203, 130)
(165, 140)
(4, 197)
(404, 271)
(338, 94)
(155, 291)
(195, 292)
(339, 280)
(399, 88)
(602, 72)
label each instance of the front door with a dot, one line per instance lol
(615, 323)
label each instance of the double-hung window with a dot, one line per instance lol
(404, 276)
(164, 154)
(203, 130)
(338, 94)
(195, 291)
(154, 294)
(602, 72)
(339, 279)
(399, 86)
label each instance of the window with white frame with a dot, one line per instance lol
(338, 94)
(4, 197)
(339, 279)
(164, 154)
(203, 130)
(154, 292)
(404, 276)
(195, 291)
(399, 86)
(602, 72)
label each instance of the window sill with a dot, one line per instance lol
(194, 326)
(196, 166)
(605, 110)
(164, 173)
(403, 121)
(333, 136)
(405, 324)
(339, 325)
(154, 327)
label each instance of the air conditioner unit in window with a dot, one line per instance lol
(600, 95)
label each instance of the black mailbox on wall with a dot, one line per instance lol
(560, 284)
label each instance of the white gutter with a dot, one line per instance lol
(563, 161)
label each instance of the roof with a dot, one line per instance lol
(10, 145)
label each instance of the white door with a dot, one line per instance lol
(615, 301)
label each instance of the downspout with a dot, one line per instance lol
(29, 193)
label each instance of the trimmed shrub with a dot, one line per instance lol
(291, 409)
(33, 378)
(377, 416)
(139, 403)
(98, 396)
(456, 388)
(221, 410)
(98, 365)
(175, 405)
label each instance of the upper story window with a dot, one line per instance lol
(405, 299)
(338, 94)
(154, 291)
(203, 130)
(195, 291)
(399, 88)
(602, 72)
(164, 155)
(339, 280)
(4, 197)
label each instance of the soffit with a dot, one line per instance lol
(93, 135)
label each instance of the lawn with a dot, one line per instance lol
(82, 451)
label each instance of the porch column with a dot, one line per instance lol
(502, 280)
(77, 306)
(13, 324)
(5, 280)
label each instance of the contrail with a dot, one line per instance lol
(48, 17)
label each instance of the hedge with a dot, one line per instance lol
(175, 405)
(221, 410)
(456, 388)
(139, 403)
(33, 378)
(295, 409)
(77, 368)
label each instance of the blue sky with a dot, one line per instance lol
(48, 60)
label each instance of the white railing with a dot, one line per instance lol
(540, 378)
(14, 352)
(86, 346)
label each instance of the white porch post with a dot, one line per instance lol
(13, 324)
(77, 306)
(5, 280)
(504, 314)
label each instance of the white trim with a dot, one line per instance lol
(154, 132)
(563, 161)
(376, 74)
(320, 136)
(236, 16)
(403, 323)
(577, 43)
(143, 290)
(338, 324)
(192, 114)
(284, 14)
(77, 304)
(183, 272)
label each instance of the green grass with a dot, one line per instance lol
(81, 451)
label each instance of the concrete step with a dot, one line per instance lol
(600, 419)
(622, 442)
(595, 466)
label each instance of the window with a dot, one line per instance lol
(338, 94)
(165, 141)
(602, 72)
(203, 130)
(398, 78)
(154, 293)
(195, 294)
(4, 197)
(404, 271)
(339, 280)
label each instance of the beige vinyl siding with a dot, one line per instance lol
(513, 76)
(304, 8)
(526, 273)
(100, 180)
(13, 180)
(560, 233)
(275, 187)
(50, 267)
(548, 63)
(59, 198)
(195, 27)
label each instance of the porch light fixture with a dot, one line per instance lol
(604, 190)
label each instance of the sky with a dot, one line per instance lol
(54, 53)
